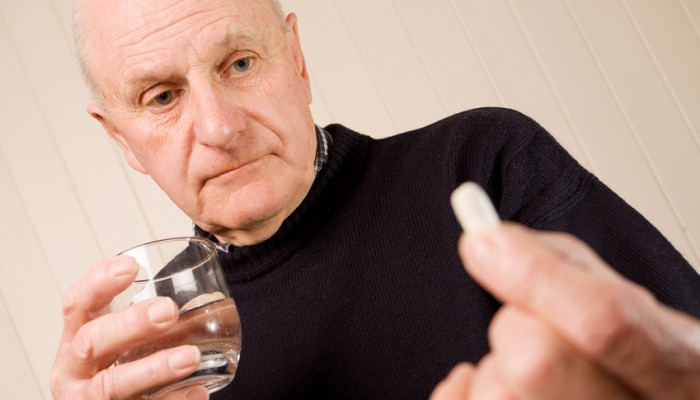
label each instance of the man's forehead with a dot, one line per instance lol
(136, 35)
(130, 22)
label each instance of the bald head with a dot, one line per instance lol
(84, 19)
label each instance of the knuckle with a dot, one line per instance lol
(607, 327)
(579, 253)
(519, 279)
(134, 318)
(536, 368)
(56, 383)
(532, 358)
(62, 389)
(70, 303)
(105, 383)
(83, 345)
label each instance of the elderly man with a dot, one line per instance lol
(340, 249)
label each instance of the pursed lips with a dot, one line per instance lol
(230, 171)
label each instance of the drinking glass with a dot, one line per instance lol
(187, 270)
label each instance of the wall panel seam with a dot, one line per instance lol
(36, 379)
(322, 100)
(68, 36)
(73, 187)
(373, 78)
(552, 88)
(124, 168)
(677, 103)
(25, 211)
(402, 19)
(479, 56)
(688, 15)
(659, 70)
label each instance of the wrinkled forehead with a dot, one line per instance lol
(121, 33)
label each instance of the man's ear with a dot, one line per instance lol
(99, 114)
(293, 29)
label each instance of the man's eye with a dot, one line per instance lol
(242, 64)
(164, 98)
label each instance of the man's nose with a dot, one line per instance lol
(217, 115)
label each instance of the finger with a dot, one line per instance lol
(576, 252)
(97, 343)
(613, 322)
(88, 297)
(146, 375)
(487, 382)
(519, 266)
(537, 364)
(190, 393)
(455, 385)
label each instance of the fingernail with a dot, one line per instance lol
(161, 311)
(122, 266)
(184, 358)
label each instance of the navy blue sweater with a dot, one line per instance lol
(361, 294)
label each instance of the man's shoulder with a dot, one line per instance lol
(492, 127)
(485, 122)
(489, 115)
(473, 121)
(487, 131)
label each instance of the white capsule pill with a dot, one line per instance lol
(473, 208)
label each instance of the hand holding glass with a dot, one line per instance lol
(188, 271)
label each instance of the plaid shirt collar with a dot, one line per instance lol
(323, 143)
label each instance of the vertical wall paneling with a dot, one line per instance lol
(675, 51)
(449, 58)
(648, 105)
(319, 106)
(692, 10)
(19, 381)
(515, 68)
(395, 67)
(30, 292)
(64, 10)
(41, 179)
(337, 68)
(158, 214)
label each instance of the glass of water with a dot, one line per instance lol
(188, 271)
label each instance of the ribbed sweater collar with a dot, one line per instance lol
(345, 163)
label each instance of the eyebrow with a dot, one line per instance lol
(140, 78)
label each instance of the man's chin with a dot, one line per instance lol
(242, 231)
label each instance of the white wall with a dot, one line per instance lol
(616, 81)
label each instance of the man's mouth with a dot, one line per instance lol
(231, 171)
